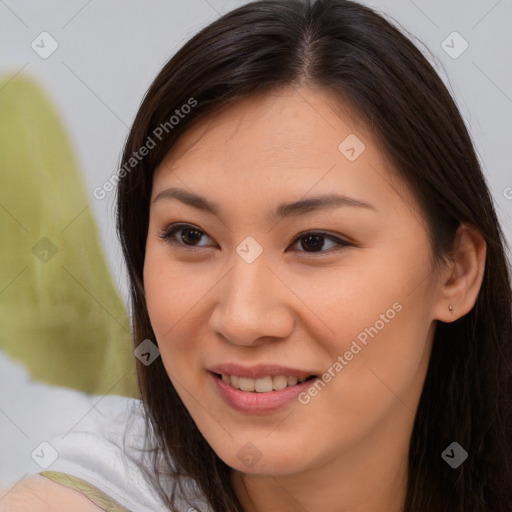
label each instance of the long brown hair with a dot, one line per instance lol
(344, 47)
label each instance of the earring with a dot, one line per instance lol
(451, 308)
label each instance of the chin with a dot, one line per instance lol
(259, 458)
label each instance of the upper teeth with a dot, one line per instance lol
(262, 384)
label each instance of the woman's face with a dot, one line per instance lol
(273, 283)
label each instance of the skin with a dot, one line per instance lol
(39, 494)
(346, 450)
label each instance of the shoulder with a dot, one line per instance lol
(39, 494)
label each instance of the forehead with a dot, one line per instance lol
(291, 141)
(288, 124)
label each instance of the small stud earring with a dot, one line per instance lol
(451, 308)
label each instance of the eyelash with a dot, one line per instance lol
(171, 230)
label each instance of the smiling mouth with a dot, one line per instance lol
(262, 384)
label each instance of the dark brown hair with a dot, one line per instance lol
(344, 47)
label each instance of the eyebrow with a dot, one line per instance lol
(300, 207)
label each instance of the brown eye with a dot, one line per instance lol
(314, 242)
(188, 235)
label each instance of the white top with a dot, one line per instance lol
(99, 450)
(63, 431)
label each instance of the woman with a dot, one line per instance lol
(313, 248)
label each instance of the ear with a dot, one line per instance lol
(462, 276)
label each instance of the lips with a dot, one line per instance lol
(259, 389)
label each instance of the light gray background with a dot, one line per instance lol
(110, 51)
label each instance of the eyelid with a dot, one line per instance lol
(168, 233)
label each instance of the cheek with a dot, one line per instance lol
(375, 314)
(172, 289)
(176, 298)
(375, 372)
(366, 298)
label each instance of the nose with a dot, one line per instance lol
(252, 305)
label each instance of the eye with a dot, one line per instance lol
(190, 236)
(314, 241)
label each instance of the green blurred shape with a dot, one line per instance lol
(60, 313)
